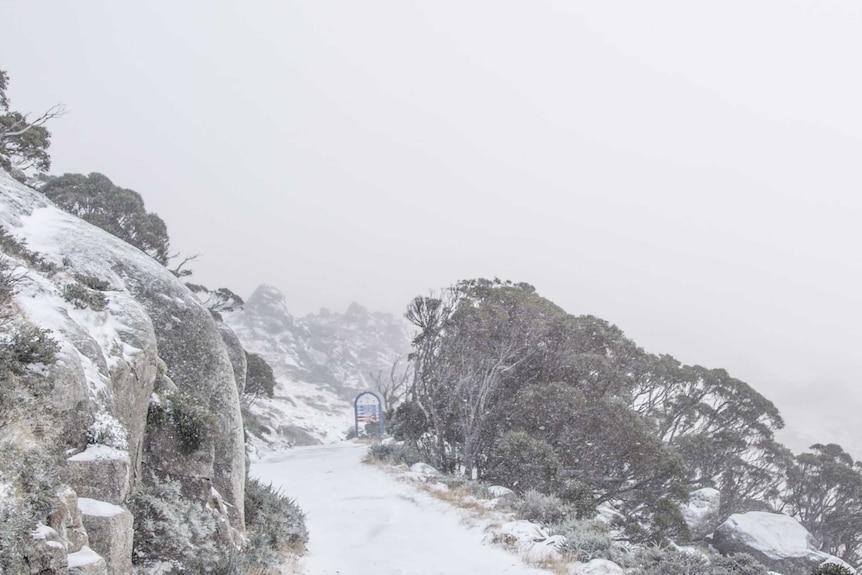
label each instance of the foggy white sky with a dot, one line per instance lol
(689, 171)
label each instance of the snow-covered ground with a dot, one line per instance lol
(362, 521)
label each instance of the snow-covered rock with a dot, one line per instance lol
(149, 331)
(110, 530)
(778, 541)
(86, 562)
(423, 470)
(66, 520)
(701, 511)
(596, 567)
(500, 491)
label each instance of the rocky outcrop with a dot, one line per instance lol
(778, 541)
(320, 362)
(126, 328)
(109, 527)
(701, 513)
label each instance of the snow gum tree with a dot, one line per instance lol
(116, 210)
(24, 141)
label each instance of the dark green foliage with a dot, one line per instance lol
(117, 210)
(82, 297)
(194, 423)
(408, 422)
(260, 379)
(579, 497)
(832, 569)
(523, 463)
(825, 494)
(23, 142)
(27, 345)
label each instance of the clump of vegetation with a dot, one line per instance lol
(585, 540)
(106, 430)
(28, 487)
(524, 463)
(92, 282)
(11, 246)
(832, 569)
(25, 346)
(541, 508)
(82, 297)
(275, 525)
(193, 422)
(167, 524)
(260, 380)
(394, 454)
(661, 561)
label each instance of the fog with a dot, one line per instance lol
(688, 171)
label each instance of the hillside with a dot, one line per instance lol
(320, 362)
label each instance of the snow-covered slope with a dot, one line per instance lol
(320, 362)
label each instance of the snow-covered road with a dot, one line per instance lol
(362, 521)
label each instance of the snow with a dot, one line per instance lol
(776, 536)
(597, 567)
(96, 508)
(96, 452)
(85, 556)
(43, 532)
(499, 491)
(362, 521)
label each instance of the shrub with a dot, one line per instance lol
(523, 463)
(587, 540)
(18, 248)
(832, 569)
(82, 297)
(28, 487)
(27, 345)
(541, 508)
(106, 430)
(394, 454)
(275, 525)
(194, 422)
(93, 283)
(170, 526)
(579, 496)
(658, 561)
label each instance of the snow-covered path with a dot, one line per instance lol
(364, 522)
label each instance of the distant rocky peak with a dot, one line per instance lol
(354, 310)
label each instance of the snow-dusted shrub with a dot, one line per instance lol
(27, 345)
(394, 454)
(832, 569)
(92, 282)
(106, 430)
(18, 248)
(579, 496)
(522, 462)
(541, 508)
(586, 540)
(659, 561)
(82, 297)
(193, 421)
(28, 495)
(275, 525)
(171, 527)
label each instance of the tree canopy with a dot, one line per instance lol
(117, 210)
(24, 141)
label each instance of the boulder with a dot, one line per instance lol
(596, 567)
(110, 531)
(500, 491)
(47, 553)
(778, 541)
(100, 472)
(86, 562)
(701, 511)
(423, 470)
